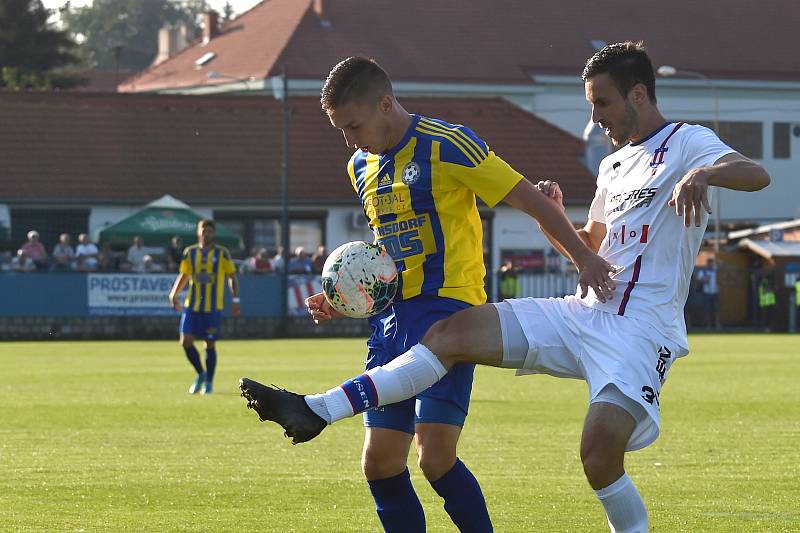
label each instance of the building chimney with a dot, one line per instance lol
(170, 42)
(210, 26)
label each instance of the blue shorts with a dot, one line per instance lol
(200, 325)
(395, 331)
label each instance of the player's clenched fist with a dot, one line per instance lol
(552, 191)
(319, 308)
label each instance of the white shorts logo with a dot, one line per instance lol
(411, 173)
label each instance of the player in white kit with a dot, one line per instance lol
(648, 218)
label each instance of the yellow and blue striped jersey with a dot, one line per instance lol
(419, 198)
(207, 269)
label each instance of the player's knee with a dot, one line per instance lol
(442, 339)
(186, 342)
(435, 461)
(602, 464)
(375, 467)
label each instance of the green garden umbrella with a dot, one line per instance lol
(159, 221)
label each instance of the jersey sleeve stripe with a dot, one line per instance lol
(456, 142)
(457, 134)
(458, 131)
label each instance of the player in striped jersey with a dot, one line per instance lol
(206, 267)
(417, 179)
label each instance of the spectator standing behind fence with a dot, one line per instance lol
(34, 249)
(174, 253)
(135, 258)
(22, 263)
(318, 260)
(63, 255)
(766, 302)
(278, 260)
(259, 262)
(708, 279)
(509, 281)
(86, 254)
(300, 263)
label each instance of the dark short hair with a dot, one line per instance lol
(206, 222)
(627, 64)
(355, 78)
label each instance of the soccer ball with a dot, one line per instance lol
(359, 279)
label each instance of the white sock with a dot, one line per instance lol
(404, 377)
(624, 506)
(407, 375)
(331, 406)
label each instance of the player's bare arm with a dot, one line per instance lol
(320, 310)
(177, 287)
(233, 285)
(592, 233)
(593, 270)
(732, 171)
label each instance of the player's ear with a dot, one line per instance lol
(638, 94)
(386, 103)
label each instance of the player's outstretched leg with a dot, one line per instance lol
(286, 408)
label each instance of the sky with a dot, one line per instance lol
(239, 6)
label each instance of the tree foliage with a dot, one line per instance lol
(124, 33)
(33, 51)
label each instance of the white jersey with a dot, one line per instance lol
(644, 236)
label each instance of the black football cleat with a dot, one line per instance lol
(286, 408)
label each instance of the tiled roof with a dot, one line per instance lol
(131, 148)
(479, 41)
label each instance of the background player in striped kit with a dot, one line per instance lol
(206, 267)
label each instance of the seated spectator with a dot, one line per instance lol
(260, 262)
(108, 260)
(149, 265)
(34, 249)
(86, 254)
(134, 261)
(175, 253)
(22, 263)
(278, 260)
(5, 260)
(63, 255)
(300, 263)
(318, 260)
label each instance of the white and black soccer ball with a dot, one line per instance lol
(359, 279)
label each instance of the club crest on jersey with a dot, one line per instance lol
(411, 173)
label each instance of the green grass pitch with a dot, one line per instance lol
(103, 437)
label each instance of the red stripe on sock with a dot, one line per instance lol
(374, 389)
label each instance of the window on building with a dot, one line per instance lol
(262, 231)
(50, 223)
(747, 138)
(781, 140)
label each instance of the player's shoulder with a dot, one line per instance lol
(188, 250)
(457, 143)
(695, 132)
(223, 251)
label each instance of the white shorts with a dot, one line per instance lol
(568, 339)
